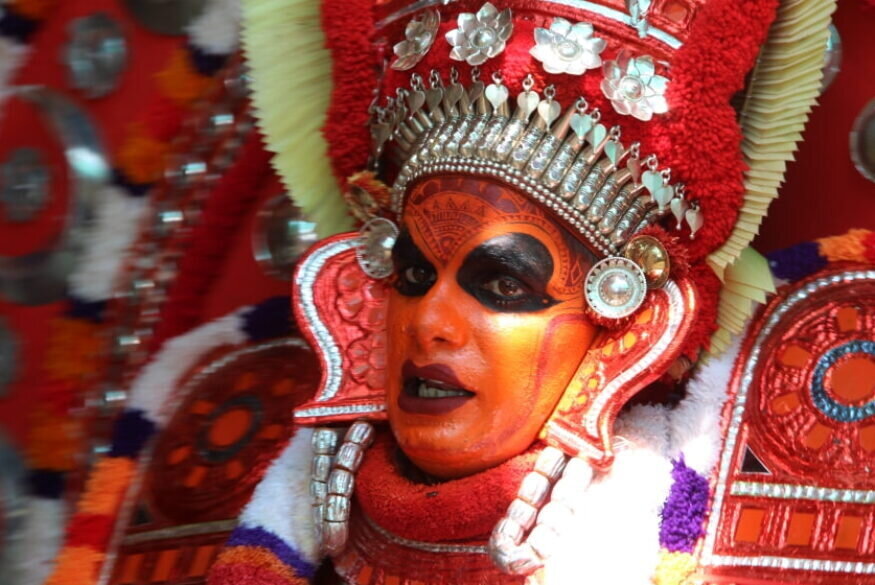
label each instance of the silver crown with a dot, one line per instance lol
(567, 161)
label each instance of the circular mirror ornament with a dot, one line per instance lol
(280, 236)
(25, 182)
(166, 17)
(832, 59)
(863, 142)
(651, 256)
(374, 249)
(40, 277)
(615, 287)
(96, 55)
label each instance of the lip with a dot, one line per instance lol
(444, 376)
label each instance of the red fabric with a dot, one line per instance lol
(162, 118)
(348, 28)
(869, 248)
(708, 287)
(210, 241)
(91, 530)
(461, 509)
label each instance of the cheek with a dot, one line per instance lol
(399, 313)
(535, 357)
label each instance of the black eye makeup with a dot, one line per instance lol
(414, 275)
(509, 273)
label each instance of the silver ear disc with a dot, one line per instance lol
(615, 287)
(374, 248)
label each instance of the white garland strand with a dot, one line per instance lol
(217, 30)
(152, 388)
(117, 222)
(281, 503)
(40, 540)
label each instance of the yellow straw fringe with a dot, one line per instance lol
(785, 86)
(291, 85)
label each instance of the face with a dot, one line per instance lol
(486, 324)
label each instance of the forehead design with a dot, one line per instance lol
(446, 211)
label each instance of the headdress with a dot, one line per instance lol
(651, 129)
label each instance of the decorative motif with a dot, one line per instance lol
(96, 55)
(615, 287)
(803, 386)
(24, 184)
(823, 399)
(419, 36)
(480, 36)
(567, 48)
(634, 88)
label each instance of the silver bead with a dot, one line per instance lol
(534, 489)
(349, 457)
(361, 433)
(551, 462)
(341, 483)
(523, 513)
(336, 508)
(321, 467)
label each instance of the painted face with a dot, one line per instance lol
(486, 324)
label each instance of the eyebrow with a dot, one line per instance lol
(521, 254)
(405, 251)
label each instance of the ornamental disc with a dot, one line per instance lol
(615, 287)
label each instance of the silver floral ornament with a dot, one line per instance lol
(568, 48)
(480, 36)
(419, 36)
(634, 88)
(374, 247)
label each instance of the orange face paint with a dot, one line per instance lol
(485, 324)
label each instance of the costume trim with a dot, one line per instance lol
(93, 528)
(745, 377)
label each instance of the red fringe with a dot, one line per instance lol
(162, 119)
(348, 28)
(708, 287)
(212, 239)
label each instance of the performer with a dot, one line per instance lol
(546, 190)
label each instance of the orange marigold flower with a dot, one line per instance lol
(180, 81)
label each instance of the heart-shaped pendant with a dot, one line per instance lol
(380, 133)
(652, 181)
(581, 124)
(597, 134)
(614, 150)
(433, 97)
(549, 111)
(663, 196)
(695, 220)
(454, 94)
(528, 102)
(678, 209)
(634, 166)
(496, 95)
(415, 101)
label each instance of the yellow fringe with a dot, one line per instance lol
(785, 86)
(673, 568)
(745, 285)
(291, 85)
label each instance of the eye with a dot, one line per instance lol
(505, 287)
(414, 280)
(417, 275)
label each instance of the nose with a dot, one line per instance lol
(438, 322)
